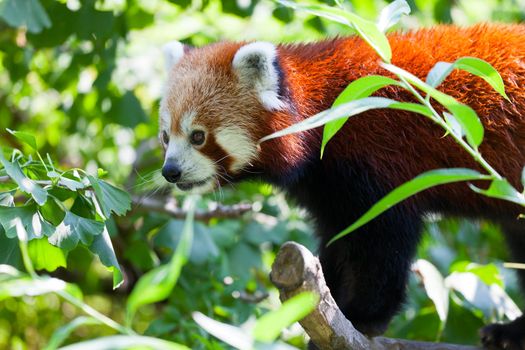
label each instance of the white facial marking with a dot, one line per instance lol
(187, 122)
(254, 65)
(164, 116)
(173, 52)
(235, 141)
(194, 166)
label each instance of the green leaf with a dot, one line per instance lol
(501, 189)
(420, 183)
(412, 107)
(25, 138)
(391, 14)
(31, 219)
(46, 256)
(61, 334)
(127, 111)
(438, 73)
(367, 30)
(466, 116)
(360, 88)
(10, 251)
(343, 111)
(488, 273)
(24, 13)
(24, 183)
(231, 335)
(7, 199)
(269, 326)
(103, 248)
(27, 286)
(434, 284)
(157, 284)
(110, 198)
(522, 179)
(74, 229)
(470, 123)
(124, 342)
(70, 184)
(484, 70)
(472, 65)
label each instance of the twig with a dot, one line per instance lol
(170, 208)
(296, 270)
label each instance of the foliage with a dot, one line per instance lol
(459, 120)
(80, 82)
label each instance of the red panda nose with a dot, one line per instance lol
(171, 172)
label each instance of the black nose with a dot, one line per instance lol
(171, 172)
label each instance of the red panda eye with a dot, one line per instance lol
(197, 137)
(165, 137)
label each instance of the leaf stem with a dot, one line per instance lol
(95, 314)
(438, 120)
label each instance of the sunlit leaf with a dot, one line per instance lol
(74, 229)
(343, 111)
(420, 183)
(24, 13)
(32, 221)
(434, 286)
(269, 326)
(466, 116)
(24, 183)
(502, 189)
(360, 88)
(110, 198)
(157, 284)
(484, 70)
(103, 248)
(391, 14)
(367, 30)
(231, 335)
(25, 137)
(46, 256)
(124, 342)
(488, 273)
(489, 299)
(438, 73)
(472, 65)
(62, 333)
(7, 199)
(27, 286)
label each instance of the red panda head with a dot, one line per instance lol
(216, 106)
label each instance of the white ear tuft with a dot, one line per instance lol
(254, 65)
(173, 52)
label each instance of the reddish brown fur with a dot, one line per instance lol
(373, 153)
(402, 145)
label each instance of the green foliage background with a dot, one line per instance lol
(84, 77)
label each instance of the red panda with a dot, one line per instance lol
(221, 99)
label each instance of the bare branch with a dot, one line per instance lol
(170, 208)
(296, 270)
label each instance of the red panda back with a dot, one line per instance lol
(401, 145)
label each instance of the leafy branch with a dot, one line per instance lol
(457, 120)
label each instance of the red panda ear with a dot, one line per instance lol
(255, 66)
(173, 52)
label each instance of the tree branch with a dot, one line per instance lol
(296, 270)
(170, 208)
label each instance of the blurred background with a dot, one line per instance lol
(85, 78)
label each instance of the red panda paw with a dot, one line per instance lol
(508, 336)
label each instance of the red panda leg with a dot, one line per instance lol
(509, 336)
(367, 271)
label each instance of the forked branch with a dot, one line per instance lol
(296, 270)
